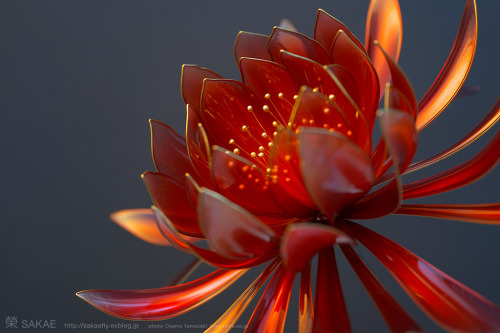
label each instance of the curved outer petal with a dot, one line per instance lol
(458, 176)
(173, 201)
(296, 43)
(272, 83)
(243, 183)
(210, 257)
(169, 232)
(454, 71)
(383, 24)
(478, 213)
(192, 77)
(231, 231)
(270, 313)
(394, 315)
(451, 304)
(169, 152)
(306, 310)
(330, 313)
(326, 29)
(140, 223)
(301, 242)
(251, 45)
(484, 125)
(335, 171)
(161, 303)
(231, 316)
(346, 53)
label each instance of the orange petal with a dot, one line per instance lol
(454, 71)
(140, 223)
(306, 310)
(478, 213)
(383, 24)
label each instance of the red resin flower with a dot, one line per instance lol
(275, 168)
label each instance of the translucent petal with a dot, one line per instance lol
(285, 179)
(236, 118)
(306, 311)
(173, 201)
(451, 304)
(454, 71)
(459, 176)
(394, 315)
(161, 303)
(192, 82)
(313, 109)
(477, 213)
(168, 231)
(346, 53)
(302, 241)
(272, 83)
(230, 230)
(198, 147)
(243, 183)
(208, 256)
(326, 29)
(231, 316)
(335, 171)
(169, 152)
(330, 313)
(270, 313)
(384, 24)
(140, 223)
(251, 45)
(296, 43)
(286, 24)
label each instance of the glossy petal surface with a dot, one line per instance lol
(384, 24)
(302, 241)
(450, 303)
(230, 230)
(306, 311)
(270, 313)
(326, 29)
(140, 223)
(479, 213)
(335, 171)
(251, 45)
(162, 303)
(330, 313)
(454, 71)
(192, 82)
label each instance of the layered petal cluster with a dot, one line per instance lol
(275, 168)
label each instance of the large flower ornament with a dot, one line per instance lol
(274, 170)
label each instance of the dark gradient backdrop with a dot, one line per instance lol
(79, 81)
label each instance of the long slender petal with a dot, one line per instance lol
(394, 315)
(270, 313)
(479, 213)
(455, 70)
(383, 24)
(330, 313)
(161, 303)
(140, 223)
(306, 310)
(458, 176)
(302, 241)
(231, 316)
(451, 304)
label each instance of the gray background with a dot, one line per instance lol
(78, 82)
